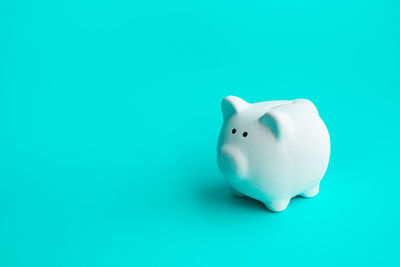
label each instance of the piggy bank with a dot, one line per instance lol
(272, 151)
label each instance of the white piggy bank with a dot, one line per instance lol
(274, 150)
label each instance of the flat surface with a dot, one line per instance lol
(110, 113)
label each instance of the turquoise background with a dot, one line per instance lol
(110, 113)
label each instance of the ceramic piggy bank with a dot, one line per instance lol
(274, 150)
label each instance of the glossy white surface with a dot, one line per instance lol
(274, 150)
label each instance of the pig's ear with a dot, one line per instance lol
(277, 122)
(232, 105)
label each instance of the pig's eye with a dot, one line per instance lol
(244, 134)
(233, 130)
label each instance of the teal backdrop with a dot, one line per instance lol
(110, 113)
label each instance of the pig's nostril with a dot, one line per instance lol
(233, 130)
(244, 134)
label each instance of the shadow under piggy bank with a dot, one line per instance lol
(218, 195)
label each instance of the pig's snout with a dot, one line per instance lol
(232, 162)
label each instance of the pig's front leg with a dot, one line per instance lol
(277, 205)
(236, 193)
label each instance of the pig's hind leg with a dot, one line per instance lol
(313, 191)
